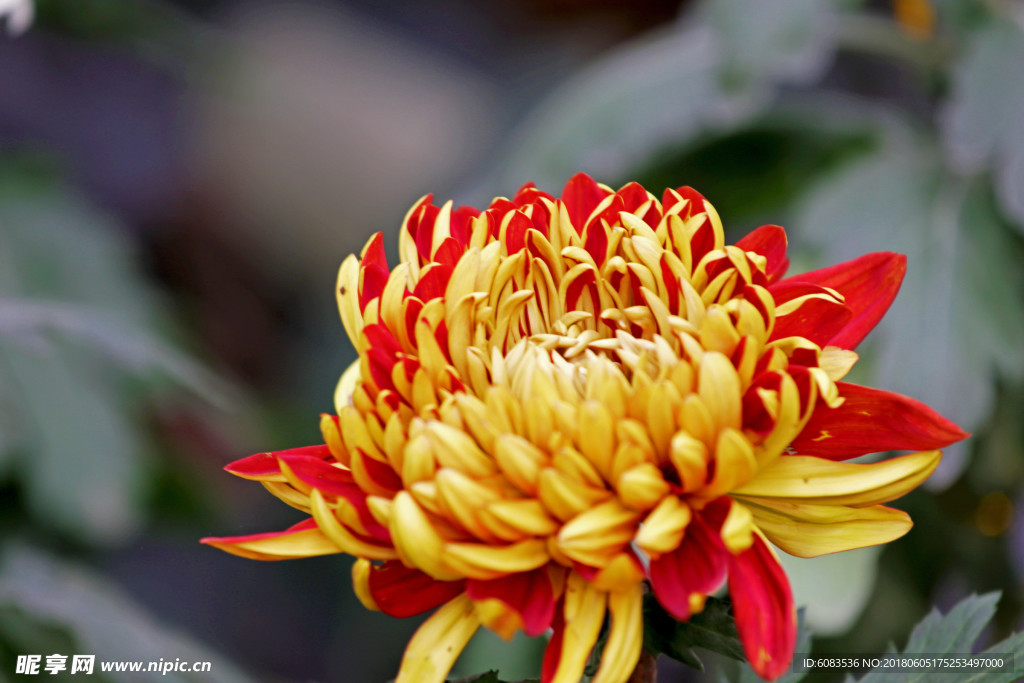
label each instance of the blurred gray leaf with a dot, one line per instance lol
(773, 40)
(131, 349)
(957, 321)
(667, 88)
(955, 633)
(85, 466)
(982, 122)
(102, 620)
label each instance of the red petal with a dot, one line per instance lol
(698, 565)
(433, 281)
(817, 319)
(373, 278)
(872, 421)
(633, 197)
(529, 194)
(869, 284)
(424, 233)
(449, 252)
(462, 224)
(763, 605)
(515, 233)
(769, 241)
(553, 652)
(581, 196)
(528, 593)
(403, 592)
(373, 252)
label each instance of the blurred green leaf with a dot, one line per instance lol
(519, 658)
(982, 122)
(955, 634)
(101, 619)
(713, 629)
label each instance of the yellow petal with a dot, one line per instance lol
(305, 543)
(738, 529)
(734, 463)
(455, 449)
(625, 637)
(594, 536)
(479, 561)
(811, 530)
(836, 362)
(584, 614)
(526, 515)
(565, 497)
(416, 540)
(642, 487)
(438, 642)
(520, 460)
(348, 299)
(342, 537)
(361, 584)
(663, 529)
(346, 386)
(806, 479)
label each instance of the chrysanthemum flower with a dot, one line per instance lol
(559, 402)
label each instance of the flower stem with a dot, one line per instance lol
(646, 670)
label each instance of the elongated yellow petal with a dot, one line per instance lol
(284, 546)
(479, 561)
(625, 637)
(807, 479)
(810, 530)
(438, 642)
(584, 614)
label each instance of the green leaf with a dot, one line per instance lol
(981, 124)
(714, 629)
(101, 619)
(955, 633)
(489, 677)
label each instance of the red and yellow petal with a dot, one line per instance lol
(304, 539)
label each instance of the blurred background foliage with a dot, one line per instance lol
(179, 181)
